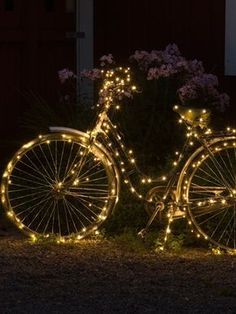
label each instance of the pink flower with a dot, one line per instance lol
(140, 55)
(143, 58)
(106, 59)
(203, 89)
(65, 74)
(195, 67)
(93, 74)
(153, 73)
(165, 70)
(223, 102)
(172, 49)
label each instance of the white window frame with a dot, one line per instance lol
(84, 45)
(230, 37)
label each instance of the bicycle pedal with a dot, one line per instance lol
(142, 233)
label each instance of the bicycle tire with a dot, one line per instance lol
(34, 191)
(208, 192)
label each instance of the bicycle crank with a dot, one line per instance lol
(159, 206)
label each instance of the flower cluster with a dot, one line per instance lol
(106, 59)
(203, 87)
(115, 83)
(92, 75)
(193, 83)
(65, 74)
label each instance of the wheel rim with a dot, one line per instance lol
(38, 197)
(210, 194)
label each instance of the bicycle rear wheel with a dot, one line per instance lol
(209, 192)
(36, 194)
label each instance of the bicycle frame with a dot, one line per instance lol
(106, 136)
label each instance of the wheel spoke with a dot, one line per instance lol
(60, 185)
(211, 194)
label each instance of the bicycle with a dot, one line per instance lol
(66, 183)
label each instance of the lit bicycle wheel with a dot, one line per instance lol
(209, 192)
(59, 185)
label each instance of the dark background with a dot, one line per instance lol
(34, 45)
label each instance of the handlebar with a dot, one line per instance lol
(116, 85)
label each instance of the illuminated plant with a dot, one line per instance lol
(163, 77)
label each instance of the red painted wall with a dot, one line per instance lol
(196, 26)
(33, 44)
(33, 47)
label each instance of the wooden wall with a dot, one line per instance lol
(33, 47)
(196, 26)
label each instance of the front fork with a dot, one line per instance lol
(75, 172)
(90, 142)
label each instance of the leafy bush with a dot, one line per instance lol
(163, 78)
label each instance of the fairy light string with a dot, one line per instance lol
(116, 85)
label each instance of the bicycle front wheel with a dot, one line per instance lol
(60, 185)
(209, 192)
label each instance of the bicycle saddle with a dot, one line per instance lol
(193, 116)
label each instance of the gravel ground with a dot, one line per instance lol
(102, 277)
